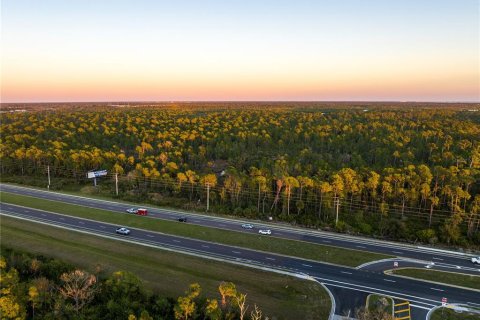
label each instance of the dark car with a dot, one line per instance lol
(183, 219)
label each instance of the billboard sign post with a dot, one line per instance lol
(96, 174)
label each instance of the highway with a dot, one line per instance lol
(442, 260)
(422, 296)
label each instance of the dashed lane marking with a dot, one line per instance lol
(437, 289)
(346, 272)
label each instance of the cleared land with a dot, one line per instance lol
(456, 279)
(282, 246)
(169, 273)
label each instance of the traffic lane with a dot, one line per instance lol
(361, 244)
(392, 251)
(360, 279)
(392, 264)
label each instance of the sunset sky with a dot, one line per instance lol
(101, 50)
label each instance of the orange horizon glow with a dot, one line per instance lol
(370, 54)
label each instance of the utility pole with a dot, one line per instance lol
(337, 202)
(208, 196)
(48, 173)
(116, 183)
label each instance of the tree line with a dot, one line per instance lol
(402, 173)
(38, 287)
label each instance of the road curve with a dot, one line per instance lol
(421, 295)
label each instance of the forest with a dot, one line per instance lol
(403, 171)
(46, 288)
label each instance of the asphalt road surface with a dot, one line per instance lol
(454, 261)
(422, 296)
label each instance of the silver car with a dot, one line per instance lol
(265, 231)
(247, 226)
(123, 231)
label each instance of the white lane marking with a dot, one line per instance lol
(27, 211)
(473, 303)
(221, 225)
(205, 246)
(397, 252)
(435, 258)
(61, 218)
(326, 241)
(389, 280)
(361, 247)
(81, 222)
(357, 287)
(268, 258)
(43, 214)
(151, 236)
(437, 289)
(306, 265)
(103, 227)
(420, 307)
(196, 221)
(176, 240)
(346, 272)
(236, 252)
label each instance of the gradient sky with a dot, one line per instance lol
(102, 50)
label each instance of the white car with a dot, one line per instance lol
(132, 210)
(265, 231)
(476, 260)
(247, 226)
(123, 231)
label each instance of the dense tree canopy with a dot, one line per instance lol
(419, 166)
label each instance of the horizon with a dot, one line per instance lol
(148, 51)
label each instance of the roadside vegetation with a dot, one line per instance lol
(300, 249)
(449, 314)
(128, 279)
(407, 172)
(456, 279)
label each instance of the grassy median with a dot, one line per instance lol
(269, 244)
(457, 279)
(278, 296)
(449, 314)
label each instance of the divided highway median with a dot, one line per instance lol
(270, 244)
(279, 296)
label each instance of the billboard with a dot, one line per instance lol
(96, 174)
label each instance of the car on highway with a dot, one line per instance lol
(123, 231)
(139, 211)
(247, 226)
(476, 260)
(265, 231)
(182, 219)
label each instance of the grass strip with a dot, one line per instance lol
(277, 295)
(457, 279)
(449, 314)
(300, 249)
